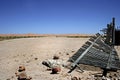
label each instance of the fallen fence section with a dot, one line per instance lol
(96, 52)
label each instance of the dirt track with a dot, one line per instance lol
(32, 51)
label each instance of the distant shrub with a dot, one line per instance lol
(78, 36)
(15, 37)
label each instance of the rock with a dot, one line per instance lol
(21, 74)
(36, 58)
(59, 52)
(72, 51)
(21, 68)
(46, 63)
(67, 53)
(56, 57)
(55, 70)
(8, 79)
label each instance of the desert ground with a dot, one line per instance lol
(30, 52)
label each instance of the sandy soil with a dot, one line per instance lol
(32, 51)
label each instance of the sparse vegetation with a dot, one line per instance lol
(78, 36)
(7, 37)
(16, 36)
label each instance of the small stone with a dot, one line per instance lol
(67, 53)
(36, 58)
(55, 57)
(72, 51)
(55, 70)
(59, 52)
(8, 79)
